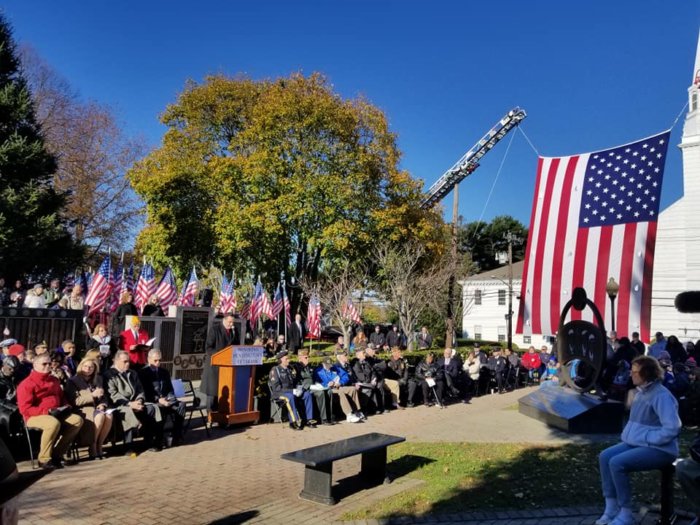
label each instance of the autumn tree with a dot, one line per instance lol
(33, 230)
(276, 175)
(93, 155)
(413, 283)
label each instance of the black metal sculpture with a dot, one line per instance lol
(581, 346)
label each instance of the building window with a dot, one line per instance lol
(477, 332)
(502, 297)
(477, 296)
(501, 333)
(527, 339)
(694, 101)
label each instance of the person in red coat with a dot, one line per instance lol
(532, 362)
(134, 341)
(43, 405)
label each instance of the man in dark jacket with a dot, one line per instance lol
(305, 379)
(393, 338)
(397, 379)
(220, 336)
(368, 380)
(451, 367)
(377, 338)
(125, 391)
(430, 378)
(297, 332)
(9, 413)
(158, 389)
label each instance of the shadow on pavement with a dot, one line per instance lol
(240, 517)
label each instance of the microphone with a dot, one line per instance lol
(688, 302)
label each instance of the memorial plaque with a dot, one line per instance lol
(571, 411)
(194, 329)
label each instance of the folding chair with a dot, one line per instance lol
(278, 406)
(27, 430)
(184, 391)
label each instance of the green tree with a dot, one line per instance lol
(276, 175)
(33, 235)
(485, 241)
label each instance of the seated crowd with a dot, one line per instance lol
(67, 400)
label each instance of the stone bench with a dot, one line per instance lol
(318, 461)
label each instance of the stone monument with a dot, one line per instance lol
(581, 351)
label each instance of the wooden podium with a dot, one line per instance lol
(236, 384)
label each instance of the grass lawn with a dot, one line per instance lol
(478, 476)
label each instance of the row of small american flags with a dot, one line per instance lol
(106, 286)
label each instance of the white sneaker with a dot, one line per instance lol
(352, 418)
(605, 519)
(624, 520)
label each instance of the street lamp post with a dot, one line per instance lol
(612, 288)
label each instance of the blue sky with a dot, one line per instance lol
(590, 75)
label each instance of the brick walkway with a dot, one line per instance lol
(238, 477)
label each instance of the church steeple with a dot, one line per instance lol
(691, 129)
(695, 86)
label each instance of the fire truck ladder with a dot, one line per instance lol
(470, 161)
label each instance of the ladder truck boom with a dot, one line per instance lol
(470, 160)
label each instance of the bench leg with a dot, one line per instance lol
(374, 466)
(668, 516)
(317, 484)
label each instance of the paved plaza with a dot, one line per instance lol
(237, 476)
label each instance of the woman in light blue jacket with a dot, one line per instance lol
(649, 441)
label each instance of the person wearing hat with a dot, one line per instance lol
(35, 297)
(134, 341)
(377, 338)
(25, 366)
(5, 345)
(285, 385)
(305, 376)
(9, 413)
(337, 382)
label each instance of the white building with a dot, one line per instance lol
(485, 307)
(677, 255)
(676, 259)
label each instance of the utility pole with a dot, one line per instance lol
(449, 341)
(509, 316)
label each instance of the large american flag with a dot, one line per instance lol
(145, 287)
(190, 290)
(99, 288)
(313, 317)
(594, 217)
(167, 289)
(277, 304)
(350, 313)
